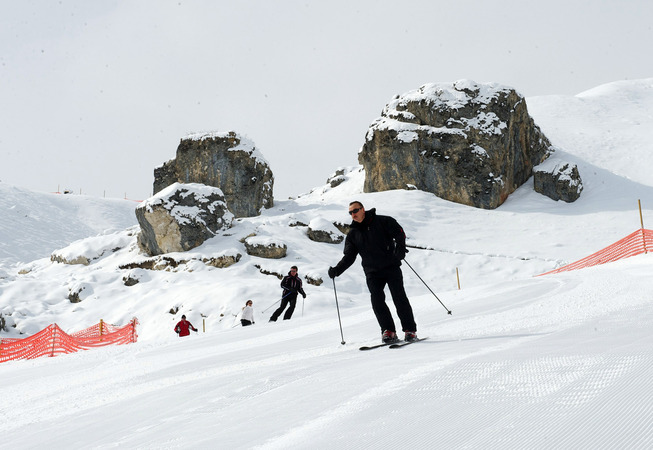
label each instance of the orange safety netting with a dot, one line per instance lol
(52, 340)
(636, 243)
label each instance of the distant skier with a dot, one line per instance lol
(183, 327)
(247, 317)
(292, 285)
(381, 242)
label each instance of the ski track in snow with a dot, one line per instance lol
(555, 362)
(471, 374)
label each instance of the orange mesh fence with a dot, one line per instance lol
(636, 243)
(52, 341)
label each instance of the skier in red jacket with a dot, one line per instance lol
(183, 327)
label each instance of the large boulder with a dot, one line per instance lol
(465, 142)
(558, 180)
(181, 217)
(224, 160)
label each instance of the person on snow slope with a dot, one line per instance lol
(381, 243)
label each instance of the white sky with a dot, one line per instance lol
(86, 87)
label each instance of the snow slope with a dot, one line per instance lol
(34, 224)
(559, 361)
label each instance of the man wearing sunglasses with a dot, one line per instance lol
(381, 242)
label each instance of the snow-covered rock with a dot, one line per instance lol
(265, 247)
(181, 217)
(321, 230)
(466, 142)
(227, 161)
(558, 180)
(84, 251)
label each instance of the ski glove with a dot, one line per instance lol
(332, 272)
(304, 295)
(400, 252)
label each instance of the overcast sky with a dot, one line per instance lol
(95, 94)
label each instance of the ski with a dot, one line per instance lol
(390, 344)
(403, 344)
(371, 347)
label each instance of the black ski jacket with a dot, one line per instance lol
(379, 240)
(292, 284)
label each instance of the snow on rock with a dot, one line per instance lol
(243, 144)
(181, 217)
(84, 251)
(558, 180)
(227, 161)
(266, 247)
(467, 142)
(321, 230)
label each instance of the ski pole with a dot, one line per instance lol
(275, 302)
(427, 286)
(342, 341)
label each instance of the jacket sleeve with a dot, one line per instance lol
(395, 230)
(350, 253)
(285, 283)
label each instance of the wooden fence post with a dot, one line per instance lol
(641, 221)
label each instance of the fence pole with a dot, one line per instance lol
(641, 221)
(101, 328)
(458, 278)
(203, 325)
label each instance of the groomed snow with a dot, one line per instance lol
(559, 361)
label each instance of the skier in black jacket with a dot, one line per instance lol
(292, 285)
(381, 242)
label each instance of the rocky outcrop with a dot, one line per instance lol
(224, 160)
(86, 251)
(265, 247)
(83, 260)
(181, 217)
(465, 142)
(337, 178)
(558, 180)
(79, 291)
(321, 230)
(169, 264)
(222, 261)
(315, 281)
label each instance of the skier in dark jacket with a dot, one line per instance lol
(381, 242)
(183, 327)
(292, 285)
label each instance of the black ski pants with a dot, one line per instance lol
(376, 282)
(290, 299)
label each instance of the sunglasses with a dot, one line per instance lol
(354, 211)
